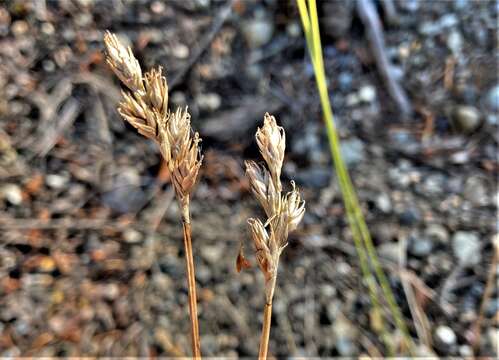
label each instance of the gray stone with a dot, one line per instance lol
(475, 191)
(466, 247)
(493, 98)
(56, 181)
(389, 251)
(293, 29)
(345, 334)
(352, 151)
(466, 351)
(258, 32)
(466, 118)
(132, 236)
(444, 335)
(384, 203)
(448, 20)
(12, 193)
(367, 93)
(212, 253)
(345, 80)
(210, 101)
(420, 246)
(437, 233)
(455, 42)
(315, 177)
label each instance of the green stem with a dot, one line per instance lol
(360, 232)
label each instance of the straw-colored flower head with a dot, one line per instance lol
(123, 62)
(157, 90)
(295, 207)
(271, 140)
(187, 166)
(284, 213)
(261, 242)
(134, 109)
(145, 107)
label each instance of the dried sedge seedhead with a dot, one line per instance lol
(123, 63)
(271, 140)
(135, 110)
(157, 90)
(284, 212)
(146, 109)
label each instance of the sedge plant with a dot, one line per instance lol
(365, 248)
(145, 107)
(283, 213)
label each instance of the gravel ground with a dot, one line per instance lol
(91, 255)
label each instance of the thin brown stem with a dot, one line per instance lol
(191, 281)
(264, 340)
(489, 287)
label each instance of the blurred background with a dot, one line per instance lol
(91, 253)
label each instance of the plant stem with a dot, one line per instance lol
(191, 280)
(264, 340)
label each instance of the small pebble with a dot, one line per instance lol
(180, 51)
(212, 253)
(293, 29)
(12, 193)
(132, 236)
(367, 93)
(466, 118)
(352, 151)
(445, 335)
(258, 32)
(466, 247)
(420, 246)
(493, 98)
(19, 27)
(210, 101)
(56, 181)
(455, 42)
(437, 233)
(384, 203)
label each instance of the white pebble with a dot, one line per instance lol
(367, 93)
(56, 181)
(12, 193)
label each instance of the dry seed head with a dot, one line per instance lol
(146, 109)
(157, 90)
(261, 242)
(284, 213)
(271, 140)
(123, 62)
(186, 167)
(295, 207)
(134, 109)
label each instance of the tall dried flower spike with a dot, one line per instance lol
(284, 213)
(145, 107)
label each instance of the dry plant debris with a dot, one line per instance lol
(284, 212)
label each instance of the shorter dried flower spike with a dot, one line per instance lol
(284, 212)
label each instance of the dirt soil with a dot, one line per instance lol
(91, 253)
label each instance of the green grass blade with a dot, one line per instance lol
(360, 232)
